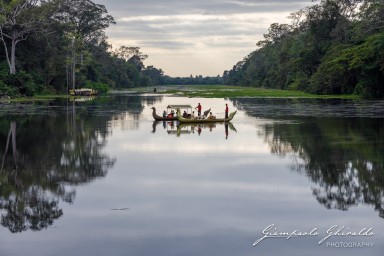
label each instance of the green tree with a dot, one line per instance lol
(84, 23)
(331, 47)
(155, 75)
(18, 18)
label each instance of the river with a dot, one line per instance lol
(97, 176)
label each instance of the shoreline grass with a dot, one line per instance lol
(223, 91)
(204, 91)
(45, 97)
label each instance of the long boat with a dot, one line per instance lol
(205, 120)
(160, 118)
(170, 109)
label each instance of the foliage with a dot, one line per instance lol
(351, 69)
(192, 80)
(98, 86)
(332, 47)
(67, 48)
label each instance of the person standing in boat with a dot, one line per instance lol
(226, 111)
(198, 109)
(170, 115)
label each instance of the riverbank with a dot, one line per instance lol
(36, 98)
(202, 91)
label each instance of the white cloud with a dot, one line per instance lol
(199, 37)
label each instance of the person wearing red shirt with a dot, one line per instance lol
(226, 111)
(198, 109)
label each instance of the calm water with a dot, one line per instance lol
(99, 177)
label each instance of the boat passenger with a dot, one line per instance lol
(211, 116)
(185, 115)
(165, 114)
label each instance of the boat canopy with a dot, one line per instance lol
(179, 106)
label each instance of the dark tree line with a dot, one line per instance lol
(192, 80)
(50, 46)
(332, 47)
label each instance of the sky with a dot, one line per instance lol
(195, 37)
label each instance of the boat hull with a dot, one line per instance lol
(165, 118)
(207, 120)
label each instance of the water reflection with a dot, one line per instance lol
(342, 156)
(289, 107)
(169, 126)
(178, 129)
(50, 155)
(49, 148)
(179, 192)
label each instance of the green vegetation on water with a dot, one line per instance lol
(223, 91)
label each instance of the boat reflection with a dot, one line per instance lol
(83, 99)
(169, 126)
(176, 128)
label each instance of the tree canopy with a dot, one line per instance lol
(332, 47)
(61, 44)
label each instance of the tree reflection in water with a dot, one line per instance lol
(338, 144)
(56, 146)
(342, 156)
(49, 154)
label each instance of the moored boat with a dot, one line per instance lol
(82, 92)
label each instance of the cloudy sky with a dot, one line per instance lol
(198, 37)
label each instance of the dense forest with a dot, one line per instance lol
(51, 46)
(332, 47)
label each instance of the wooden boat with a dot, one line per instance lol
(82, 92)
(170, 109)
(160, 118)
(205, 120)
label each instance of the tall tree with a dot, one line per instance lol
(132, 55)
(85, 22)
(18, 18)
